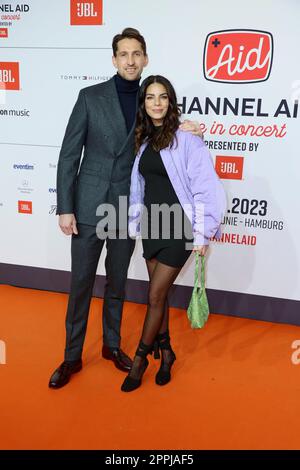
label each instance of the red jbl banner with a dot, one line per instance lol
(86, 12)
(3, 32)
(238, 56)
(25, 207)
(229, 168)
(9, 76)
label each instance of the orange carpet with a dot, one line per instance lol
(234, 385)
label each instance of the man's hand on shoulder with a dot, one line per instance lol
(67, 223)
(191, 126)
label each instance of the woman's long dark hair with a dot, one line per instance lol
(145, 129)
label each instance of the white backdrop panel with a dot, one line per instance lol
(56, 60)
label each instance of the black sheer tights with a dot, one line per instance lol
(157, 317)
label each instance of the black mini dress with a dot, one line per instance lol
(159, 190)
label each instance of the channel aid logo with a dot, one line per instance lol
(9, 76)
(229, 168)
(238, 56)
(86, 12)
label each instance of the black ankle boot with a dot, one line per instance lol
(131, 383)
(163, 376)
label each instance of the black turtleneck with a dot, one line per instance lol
(127, 92)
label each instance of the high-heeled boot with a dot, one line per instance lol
(131, 383)
(163, 376)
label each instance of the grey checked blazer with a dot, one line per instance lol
(96, 125)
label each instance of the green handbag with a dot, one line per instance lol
(198, 309)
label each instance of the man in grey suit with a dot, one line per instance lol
(101, 123)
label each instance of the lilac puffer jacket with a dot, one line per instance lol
(191, 171)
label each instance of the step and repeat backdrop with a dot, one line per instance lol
(236, 70)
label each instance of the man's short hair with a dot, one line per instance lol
(128, 33)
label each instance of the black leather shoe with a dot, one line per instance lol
(62, 375)
(119, 358)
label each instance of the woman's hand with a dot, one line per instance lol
(201, 249)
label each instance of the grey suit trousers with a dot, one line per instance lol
(86, 249)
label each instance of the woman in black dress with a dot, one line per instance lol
(165, 251)
(165, 247)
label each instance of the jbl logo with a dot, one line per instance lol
(86, 13)
(86, 9)
(25, 207)
(229, 167)
(9, 76)
(6, 76)
(3, 32)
